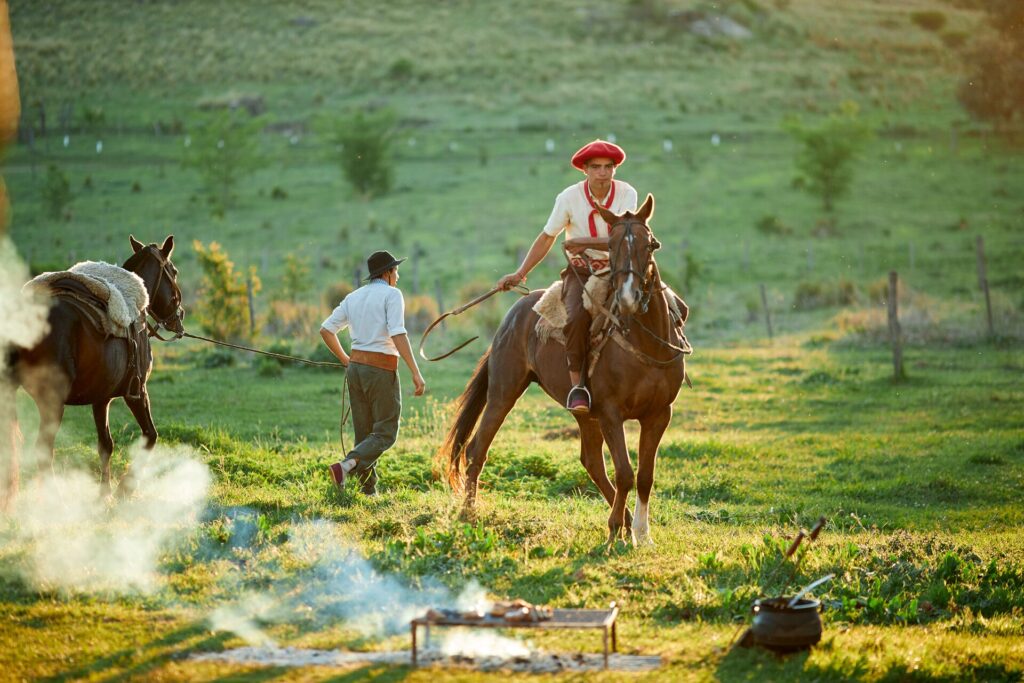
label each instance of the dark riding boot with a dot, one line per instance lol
(579, 400)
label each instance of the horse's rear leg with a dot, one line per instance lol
(51, 412)
(652, 428)
(105, 443)
(144, 416)
(501, 398)
(592, 457)
(611, 428)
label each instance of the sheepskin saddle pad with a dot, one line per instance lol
(553, 316)
(122, 292)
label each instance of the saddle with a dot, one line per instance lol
(113, 300)
(553, 317)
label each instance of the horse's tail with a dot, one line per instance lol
(451, 455)
(10, 433)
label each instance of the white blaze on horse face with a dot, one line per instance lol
(641, 525)
(626, 294)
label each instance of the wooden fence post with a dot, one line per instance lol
(252, 307)
(767, 313)
(894, 327)
(440, 297)
(355, 277)
(983, 283)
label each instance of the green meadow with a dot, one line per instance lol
(921, 480)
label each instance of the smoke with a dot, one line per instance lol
(22, 319)
(338, 584)
(73, 539)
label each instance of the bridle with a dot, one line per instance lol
(179, 311)
(648, 279)
(645, 278)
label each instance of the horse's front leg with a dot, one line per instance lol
(144, 416)
(592, 457)
(615, 437)
(652, 428)
(104, 442)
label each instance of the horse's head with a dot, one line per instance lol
(153, 264)
(631, 247)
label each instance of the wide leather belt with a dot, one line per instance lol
(384, 361)
(596, 264)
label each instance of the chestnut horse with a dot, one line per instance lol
(77, 364)
(636, 377)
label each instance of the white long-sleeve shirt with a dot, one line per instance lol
(572, 211)
(374, 313)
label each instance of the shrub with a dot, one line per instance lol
(929, 20)
(296, 280)
(954, 39)
(223, 308)
(420, 311)
(401, 69)
(334, 294)
(365, 156)
(56, 192)
(772, 226)
(223, 151)
(268, 367)
(292, 319)
(812, 295)
(826, 153)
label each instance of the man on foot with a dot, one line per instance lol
(375, 316)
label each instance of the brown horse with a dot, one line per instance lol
(636, 377)
(76, 363)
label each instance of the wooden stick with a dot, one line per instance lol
(767, 313)
(894, 327)
(983, 283)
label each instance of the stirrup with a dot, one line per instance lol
(578, 408)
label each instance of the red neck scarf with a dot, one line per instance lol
(593, 205)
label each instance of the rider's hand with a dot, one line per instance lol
(420, 385)
(511, 280)
(575, 249)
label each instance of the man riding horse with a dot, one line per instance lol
(576, 212)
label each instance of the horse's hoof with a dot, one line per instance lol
(643, 540)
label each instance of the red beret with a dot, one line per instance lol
(595, 149)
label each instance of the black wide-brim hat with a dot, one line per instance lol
(379, 262)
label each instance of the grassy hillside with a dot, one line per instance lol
(479, 89)
(921, 480)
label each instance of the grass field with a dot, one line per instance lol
(237, 536)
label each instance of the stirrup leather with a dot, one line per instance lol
(578, 387)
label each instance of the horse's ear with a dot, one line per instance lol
(168, 246)
(609, 217)
(136, 245)
(647, 210)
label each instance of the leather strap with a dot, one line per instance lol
(384, 361)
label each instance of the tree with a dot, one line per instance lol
(56, 192)
(365, 155)
(296, 280)
(223, 309)
(224, 150)
(994, 88)
(826, 153)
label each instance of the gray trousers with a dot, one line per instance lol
(376, 399)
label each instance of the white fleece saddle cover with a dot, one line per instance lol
(553, 315)
(123, 292)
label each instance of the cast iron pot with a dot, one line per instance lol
(782, 628)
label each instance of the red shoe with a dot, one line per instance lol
(579, 400)
(337, 475)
